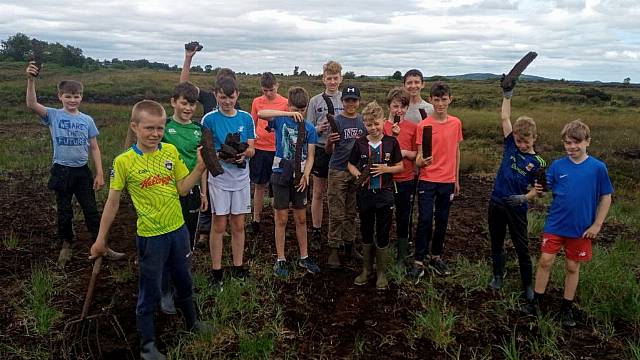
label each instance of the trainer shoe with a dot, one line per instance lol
(114, 255)
(216, 279)
(417, 272)
(567, 318)
(496, 283)
(438, 265)
(308, 264)
(239, 272)
(149, 351)
(280, 269)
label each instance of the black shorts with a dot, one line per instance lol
(283, 195)
(321, 163)
(260, 166)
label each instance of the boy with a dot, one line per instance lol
(319, 106)
(185, 135)
(342, 190)
(405, 132)
(581, 182)
(513, 188)
(231, 190)
(438, 181)
(414, 83)
(382, 156)
(154, 175)
(74, 136)
(283, 180)
(260, 164)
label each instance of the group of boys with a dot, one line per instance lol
(369, 162)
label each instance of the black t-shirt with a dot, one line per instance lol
(387, 152)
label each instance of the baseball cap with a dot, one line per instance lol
(350, 92)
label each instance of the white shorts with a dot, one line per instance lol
(224, 202)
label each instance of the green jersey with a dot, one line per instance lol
(185, 137)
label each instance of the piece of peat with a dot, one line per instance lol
(209, 153)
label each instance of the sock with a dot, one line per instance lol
(217, 274)
(283, 259)
(537, 297)
(303, 257)
(566, 304)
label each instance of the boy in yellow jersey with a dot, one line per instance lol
(155, 176)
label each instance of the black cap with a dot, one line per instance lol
(350, 92)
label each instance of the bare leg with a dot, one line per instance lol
(237, 238)
(300, 216)
(215, 240)
(258, 200)
(281, 217)
(571, 279)
(543, 271)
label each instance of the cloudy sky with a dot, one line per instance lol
(575, 39)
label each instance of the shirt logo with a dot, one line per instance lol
(529, 166)
(171, 131)
(241, 128)
(561, 176)
(155, 180)
(387, 156)
(168, 164)
(196, 132)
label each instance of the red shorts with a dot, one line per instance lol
(576, 249)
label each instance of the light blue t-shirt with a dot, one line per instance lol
(70, 135)
(576, 190)
(286, 134)
(234, 178)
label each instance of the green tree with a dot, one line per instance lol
(208, 68)
(295, 70)
(16, 47)
(627, 81)
(397, 75)
(349, 75)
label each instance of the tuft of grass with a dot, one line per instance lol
(123, 274)
(436, 321)
(535, 223)
(546, 344)
(472, 276)
(633, 350)
(10, 241)
(39, 293)
(510, 348)
(256, 347)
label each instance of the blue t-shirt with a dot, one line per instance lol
(286, 134)
(350, 130)
(234, 178)
(517, 171)
(70, 135)
(576, 190)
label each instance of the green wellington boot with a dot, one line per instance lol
(382, 260)
(367, 265)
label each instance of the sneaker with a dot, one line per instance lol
(114, 255)
(239, 272)
(567, 318)
(308, 264)
(149, 351)
(439, 266)
(530, 308)
(166, 304)
(417, 272)
(65, 254)
(496, 283)
(280, 269)
(216, 279)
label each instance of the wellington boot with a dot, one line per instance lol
(65, 254)
(367, 265)
(382, 259)
(333, 261)
(403, 252)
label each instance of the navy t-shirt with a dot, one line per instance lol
(576, 190)
(350, 129)
(517, 171)
(387, 151)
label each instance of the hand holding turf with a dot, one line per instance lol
(507, 88)
(516, 200)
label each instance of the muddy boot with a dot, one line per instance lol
(333, 261)
(382, 260)
(367, 265)
(65, 254)
(403, 252)
(149, 351)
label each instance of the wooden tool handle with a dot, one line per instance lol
(97, 264)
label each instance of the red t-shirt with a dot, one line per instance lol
(445, 139)
(407, 141)
(266, 140)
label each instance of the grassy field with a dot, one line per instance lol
(252, 321)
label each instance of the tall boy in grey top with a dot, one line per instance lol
(319, 106)
(414, 83)
(342, 190)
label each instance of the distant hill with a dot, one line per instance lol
(489, 76)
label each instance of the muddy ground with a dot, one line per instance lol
(325, 316)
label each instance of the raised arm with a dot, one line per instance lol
(506, 116)
(186, 66)
(32, 100)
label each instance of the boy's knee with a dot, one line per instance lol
(572, 267)
(545, 262)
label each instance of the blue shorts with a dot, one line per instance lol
(260, 166)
